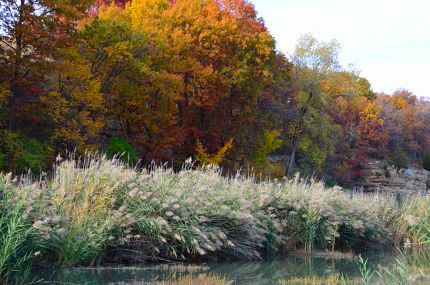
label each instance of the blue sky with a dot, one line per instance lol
(388, 40)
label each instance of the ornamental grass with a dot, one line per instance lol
(97, 210)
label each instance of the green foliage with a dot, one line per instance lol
(312, 130)
(316, 55)
(269, 142)
(312, 223)
(18, 240)
(426, 161)
(365, 270)
(399, 158)
(119, 146)
(3, 164)
(20, 153)
(330, 183)
(318, 142)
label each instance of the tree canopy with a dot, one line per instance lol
(167, 80)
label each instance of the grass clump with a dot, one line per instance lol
(94, 210)
(78, 209)
(19, 242)
(412, 223)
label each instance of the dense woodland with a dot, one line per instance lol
(164, 80)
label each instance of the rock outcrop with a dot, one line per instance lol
(379, 176)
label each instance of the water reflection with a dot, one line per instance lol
(264, 272)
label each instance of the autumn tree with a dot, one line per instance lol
(220, 49)
(361, 135)
(169, 71)
(407, 121)
(310, 128)
(138, 89)
(74, 106)
(31, 32)
(204, 158)
(268, 143)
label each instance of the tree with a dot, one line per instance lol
(406, 121)
(372, 136)
(221, 51)
(169, 69)
(268, 143)
(5, 94)
(139, 91)
(30, 33)
(311, 129)
(212, 159)
(74, 106)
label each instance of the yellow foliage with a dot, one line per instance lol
(113, 13)
(400, 103)
(5, 93)
(75, 105)
(372, 112)
(108, 13)
(204, 158)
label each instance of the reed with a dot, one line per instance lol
(94, 209)
(19, 243)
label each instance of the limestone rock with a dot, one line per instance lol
(378, 176)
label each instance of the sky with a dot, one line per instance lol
(387, 40)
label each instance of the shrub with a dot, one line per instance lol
(268, 143)
(33, 155)
(399, 159)
(204, 158)
(426, 161)
(118, 146)
(20, 153)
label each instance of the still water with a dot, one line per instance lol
(264, 272)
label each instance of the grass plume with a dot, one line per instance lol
(94, 209)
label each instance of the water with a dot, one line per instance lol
(264, 272)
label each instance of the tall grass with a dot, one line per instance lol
(93, 210)
(18, 239)
(413, 222)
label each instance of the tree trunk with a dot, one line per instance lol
(16, 68)
(291, 161)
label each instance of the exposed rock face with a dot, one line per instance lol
(378, 176)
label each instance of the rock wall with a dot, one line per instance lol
(378, 176)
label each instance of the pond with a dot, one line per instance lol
(270, 271)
